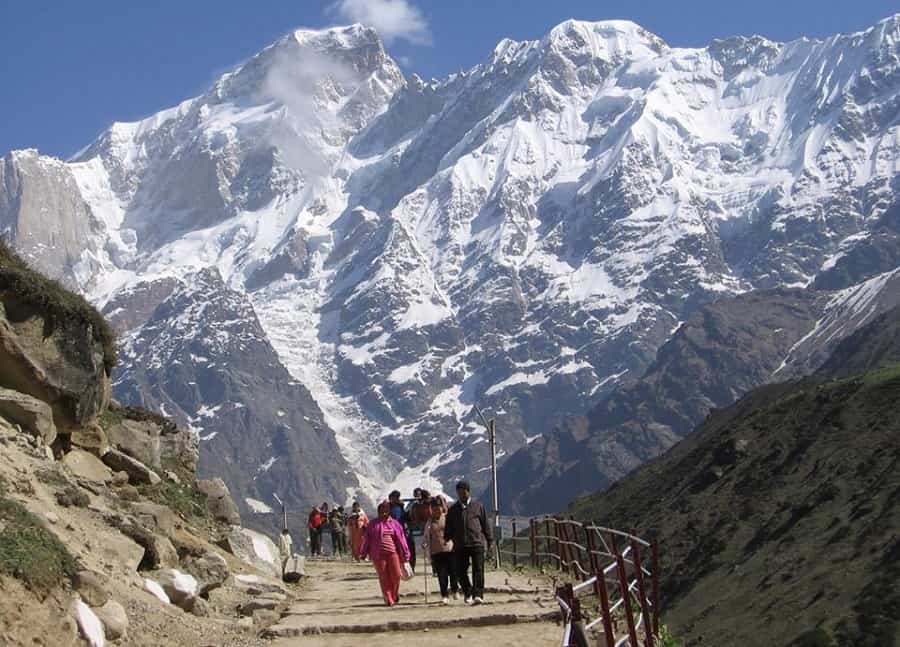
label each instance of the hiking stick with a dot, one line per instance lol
(425, 570)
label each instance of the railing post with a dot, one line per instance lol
(626, 597)
(604, 610)
(655, 576)
(642, 592)
(515, 544)
(589, 542)
(535, 563)
(549, 548)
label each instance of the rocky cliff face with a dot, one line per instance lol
(105, 532)
(524, 235)
(203, 359)
(720, 353)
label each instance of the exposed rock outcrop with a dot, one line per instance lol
(33, 415)
(219, 501)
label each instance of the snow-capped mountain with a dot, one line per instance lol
(523, 236)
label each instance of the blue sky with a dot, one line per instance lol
(68, 69)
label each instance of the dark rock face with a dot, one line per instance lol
(720, 353)
(56, 362)
(755, 508)
(203, 359)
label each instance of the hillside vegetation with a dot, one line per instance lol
(780, 516)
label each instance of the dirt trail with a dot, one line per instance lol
(342, 605)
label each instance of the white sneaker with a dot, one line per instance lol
(468, 600)
(478, 601)
(445, 600)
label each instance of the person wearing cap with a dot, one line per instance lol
(467, 526)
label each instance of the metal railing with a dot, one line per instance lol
(616, 603)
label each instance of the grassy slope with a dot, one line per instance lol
(778, 516)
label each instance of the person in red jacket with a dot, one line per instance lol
(314, 523)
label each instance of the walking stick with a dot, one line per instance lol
(425, 570)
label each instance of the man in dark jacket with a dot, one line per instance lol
(467, 525)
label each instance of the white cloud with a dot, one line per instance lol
(392, 19)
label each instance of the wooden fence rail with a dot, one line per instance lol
(616, 601)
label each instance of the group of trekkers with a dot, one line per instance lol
(455, 538)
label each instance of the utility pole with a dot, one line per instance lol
(283, 511)
(492, 439)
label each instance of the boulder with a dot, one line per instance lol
(136, 470)
(61, 363)
(210, 569)
(119, 479)
(91, 588)
(158, 550)
(86, 466)
(114, 619)
(89, 624)
(91, 438)
(119, 549)
(219, 501)
(137, 438)
(32, 415)
(159, 518)
(181, 588)
(255, 549)
(155, 445)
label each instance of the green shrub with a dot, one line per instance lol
(30, 552)
(184, 499)
(60, 306)
(666, 639)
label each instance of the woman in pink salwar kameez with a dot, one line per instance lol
(385, 544)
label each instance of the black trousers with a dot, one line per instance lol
(445, 568)
(315, 541)
(465, 556)
(411, 542)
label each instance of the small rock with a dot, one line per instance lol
(200, 608)
(256, 604)
(51, 517)
(91, 587)
(263, 618)
(245, 623)
(120, 478)
(114, 619)
(172, 476)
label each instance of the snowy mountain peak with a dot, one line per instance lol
(607, 39)
(522, 236)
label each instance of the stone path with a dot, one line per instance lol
(342, 605)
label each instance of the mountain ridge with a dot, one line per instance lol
(530, 231)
